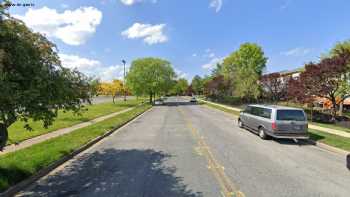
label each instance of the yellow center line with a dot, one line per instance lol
(228, 188)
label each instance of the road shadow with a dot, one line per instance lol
(292, 142)
(12, 174)
(122, 173)
(180, 103)
(315, 137)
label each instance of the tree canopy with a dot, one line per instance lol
(274, 86)
(197, 85)
(150, 76)
(181, 87)
(33, 82)
(244, 68)
(328, 78)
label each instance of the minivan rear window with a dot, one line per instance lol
(289, 114)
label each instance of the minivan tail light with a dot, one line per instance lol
(274, 127)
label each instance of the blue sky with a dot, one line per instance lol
(94, 36)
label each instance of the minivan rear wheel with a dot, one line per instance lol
(262, 133)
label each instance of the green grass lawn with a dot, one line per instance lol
(331, 126)
(330, 139)
(19, 165)
(17, 133)
(234, 112)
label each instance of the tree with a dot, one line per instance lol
(327, 79)
(244, 68)
(33, 82)
(216, 86)
(113, 88)
(337, 50)
(180, 87)
(150, 76)
(189, 91)
(274, 86)
(218, 70)
(197, 85)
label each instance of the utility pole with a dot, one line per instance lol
(124, 87)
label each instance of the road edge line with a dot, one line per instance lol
(12, 191)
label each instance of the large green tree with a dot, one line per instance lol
(326, 79)
(150, 76)
(197, 85)
(244, 68)
(33, 83)
(181, 86)
(344, 90)
(340, 47)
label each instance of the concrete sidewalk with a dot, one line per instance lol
(59, 132)
(311, 126)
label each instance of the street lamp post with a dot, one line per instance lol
(124, 88)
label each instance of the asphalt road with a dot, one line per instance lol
(193, 151)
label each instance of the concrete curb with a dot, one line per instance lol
(328, 147)
(309, 141)
(43, 172)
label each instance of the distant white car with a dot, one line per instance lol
(159, 102)
(193, 100)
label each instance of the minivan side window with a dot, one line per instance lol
(266, 113)
(255, 111)
(262, 112)
(248, 110)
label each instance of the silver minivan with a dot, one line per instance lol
(275, 121)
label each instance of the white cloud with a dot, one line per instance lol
(93, 68)
(180, 74)
(82, 64)
(216, 4)
(151, 34)
(73, 27)
(211, 55)
(194, 55)
(132, 2)
(112, 72)
(299, 51)
(212, 63)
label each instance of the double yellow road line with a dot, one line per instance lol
(228, 188)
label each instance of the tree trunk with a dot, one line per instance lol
(334, 110)
(341, 106)
(150, 97)
(3, 135)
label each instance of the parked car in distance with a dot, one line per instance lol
(275, 121)
(159, 102)
(193, 100)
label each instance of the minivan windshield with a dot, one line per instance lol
(288, 114)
